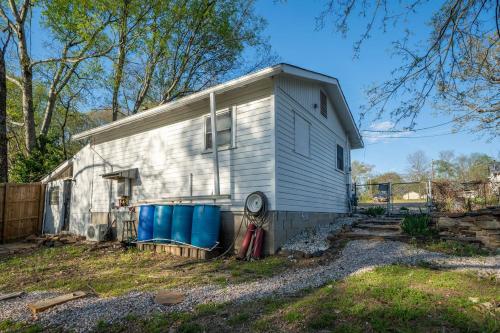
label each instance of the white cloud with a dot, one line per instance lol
(373, 137)
(382, 126)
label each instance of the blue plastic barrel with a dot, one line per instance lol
(206, 226)
(146, 218)
(182, 219)
(162, 229)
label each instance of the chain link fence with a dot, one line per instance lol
(425, 196)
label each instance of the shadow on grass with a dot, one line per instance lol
(390, 298)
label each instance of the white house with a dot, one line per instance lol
(412, 195)
(284, 130)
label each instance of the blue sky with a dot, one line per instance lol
(293, 37)
(292, 33)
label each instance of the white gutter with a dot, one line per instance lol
(236, 83)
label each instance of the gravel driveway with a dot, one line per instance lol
(358, 256)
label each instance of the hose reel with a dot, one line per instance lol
(255, 216)
(256, 209)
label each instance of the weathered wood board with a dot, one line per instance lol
(178, 250)
(169, 298)
(11, 295)
(51, 302)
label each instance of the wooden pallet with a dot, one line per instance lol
(185, 251)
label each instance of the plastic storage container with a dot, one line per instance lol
(206, 226)
(162, 228)
(182, 220)
(146, 218)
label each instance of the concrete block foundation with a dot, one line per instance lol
(281, 226)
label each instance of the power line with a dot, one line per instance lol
(419, 129)
(411, 137)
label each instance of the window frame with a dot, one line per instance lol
(337, 158)
(232, 144)
(321, 94)
(54, 194)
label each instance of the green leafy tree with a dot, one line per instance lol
(76, 33)
(33, 167)
(387, 177)
(444, 167)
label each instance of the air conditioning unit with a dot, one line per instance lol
(97, 233)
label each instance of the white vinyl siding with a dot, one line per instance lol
(313, 183)
(172, 152)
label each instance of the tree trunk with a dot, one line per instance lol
(4, 165)
(146, 84)
(27, 91)
(122, 50)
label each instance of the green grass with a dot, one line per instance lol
(391, 298)
(454, 248)
(12, 326)
(110, 273)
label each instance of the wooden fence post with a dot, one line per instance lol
(41, 209)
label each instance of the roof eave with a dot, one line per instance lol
(232, 84)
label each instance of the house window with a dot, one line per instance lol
(54, 195)
(340, 157)
(302, 135)
(323, 104)
(224, 130)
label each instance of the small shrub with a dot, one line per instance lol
(375, 211)
(416, 225)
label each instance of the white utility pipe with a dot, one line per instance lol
(215, 157)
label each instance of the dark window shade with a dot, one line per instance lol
(340, 157)
(323, 104)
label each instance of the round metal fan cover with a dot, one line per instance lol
(254, 203)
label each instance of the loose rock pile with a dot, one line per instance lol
(313, 242)
(34, 242)
(481, 226)
(54, 240)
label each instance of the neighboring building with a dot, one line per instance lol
(284, 130)
(412, 196)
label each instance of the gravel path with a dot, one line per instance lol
(358, 256)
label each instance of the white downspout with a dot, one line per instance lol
(215, 157)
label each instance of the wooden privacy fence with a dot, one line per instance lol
(21, 210)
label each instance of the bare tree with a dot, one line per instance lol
(456, 69)
(419, 166)
(361, 171)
